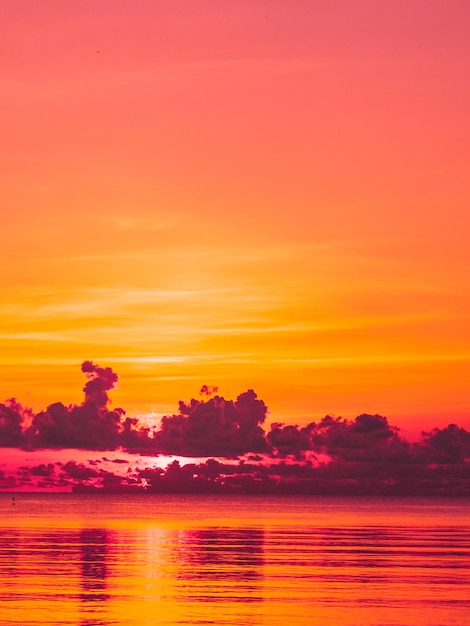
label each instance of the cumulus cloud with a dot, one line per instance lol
(447, 445)
(332, 455)
(100, 380)
(91, 425)
(12, 419)
(215, 427)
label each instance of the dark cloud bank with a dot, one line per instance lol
(331, 456)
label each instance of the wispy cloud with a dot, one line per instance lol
(35, 336)
(158, 222)
(377, 359)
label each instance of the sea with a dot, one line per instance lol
(138, 559)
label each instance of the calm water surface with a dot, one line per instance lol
(184, 560)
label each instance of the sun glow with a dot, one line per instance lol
(282, 207)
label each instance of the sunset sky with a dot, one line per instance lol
(249, 194)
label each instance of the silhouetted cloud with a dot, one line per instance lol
(12, 415)
(333, 455)
(208, 390)
(306, 478)
(367, 438)
(447, 445)
(43, 470)
(91, 425)
(289, 439)
(78, 470)
(214, 427)
(100, 380)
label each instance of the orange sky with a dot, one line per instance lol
(249, 194)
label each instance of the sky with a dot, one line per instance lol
(253, 194)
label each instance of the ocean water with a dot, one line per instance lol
(136, 560)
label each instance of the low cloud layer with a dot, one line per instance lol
(285, 458)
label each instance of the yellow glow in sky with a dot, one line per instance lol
(226, 197)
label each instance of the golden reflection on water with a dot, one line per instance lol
(235, 562)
